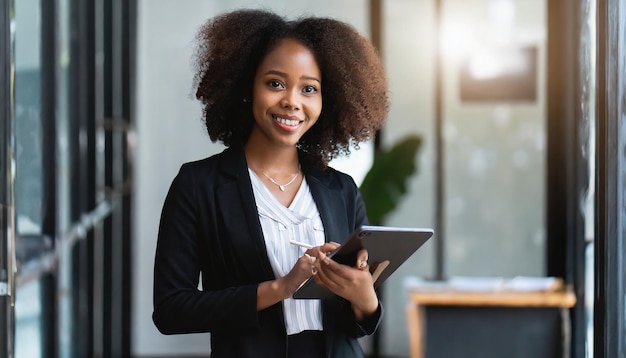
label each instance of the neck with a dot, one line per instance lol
(272, 160)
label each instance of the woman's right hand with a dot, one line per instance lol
(271, 292)
(304, 267)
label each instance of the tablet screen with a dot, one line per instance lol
(387, 247)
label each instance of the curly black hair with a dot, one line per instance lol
(231, 46)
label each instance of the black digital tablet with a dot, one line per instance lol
(387, 247)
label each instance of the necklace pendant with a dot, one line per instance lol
(282, 187)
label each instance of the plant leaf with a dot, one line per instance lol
(386, 182)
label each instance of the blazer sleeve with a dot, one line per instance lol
(370, 324)
(179, 306)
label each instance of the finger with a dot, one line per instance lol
(311, 261)
(338, 278)
(333, 271)
(361, 259)
(329, 247)
(311, 258)
(321, 276)
(362, 255)
(325, 277)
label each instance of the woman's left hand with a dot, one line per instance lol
(355, 284)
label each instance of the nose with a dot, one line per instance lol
(290, 100)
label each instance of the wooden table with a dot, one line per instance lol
(558, 297)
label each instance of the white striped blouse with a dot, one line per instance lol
(300, 221)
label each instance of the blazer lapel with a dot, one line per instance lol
(236, 200)
(330, 204)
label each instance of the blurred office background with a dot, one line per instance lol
(520, 171)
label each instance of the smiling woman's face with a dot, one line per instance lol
(287, 94)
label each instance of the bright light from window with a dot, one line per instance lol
(488, 64)
(457, 40)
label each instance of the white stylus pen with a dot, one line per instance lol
(301, 244)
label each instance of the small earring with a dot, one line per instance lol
(245, 100)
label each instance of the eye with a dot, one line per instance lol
(275, 84)
(309, 89)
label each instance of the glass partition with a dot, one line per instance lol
(588, 68)
(28, 184)
(31, 245)
(492, 58)
(7, 288)
(494, 135)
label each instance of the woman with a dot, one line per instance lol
(285, 97)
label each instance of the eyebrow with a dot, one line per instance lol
(283, 74)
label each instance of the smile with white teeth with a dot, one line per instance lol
(287, 122)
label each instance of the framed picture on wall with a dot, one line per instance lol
(499, 75)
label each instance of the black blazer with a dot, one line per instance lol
(210, 229)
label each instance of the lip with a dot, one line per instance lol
(285, 126)
(286, 116)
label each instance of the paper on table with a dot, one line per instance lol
(486, 284)
(525, 283)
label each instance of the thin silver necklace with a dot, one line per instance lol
(283, 186)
